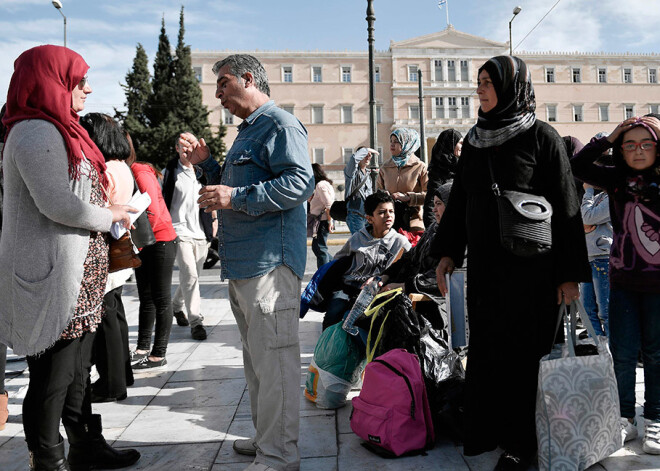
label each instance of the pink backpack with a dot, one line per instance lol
(392, 412)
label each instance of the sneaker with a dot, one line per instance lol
(135, 356)
(198, 332)
(628, 430)
(181, 319)
(245, 446)
(146, 363)
(651, 444)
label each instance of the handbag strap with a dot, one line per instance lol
(355, 191)
(570, 323)
(374, 311)
(494, 186)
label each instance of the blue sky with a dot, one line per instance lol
(106, 32)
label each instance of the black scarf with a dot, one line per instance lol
(516, 103)
(443, 161)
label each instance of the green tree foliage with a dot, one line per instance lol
(171, 103)
(137, 90)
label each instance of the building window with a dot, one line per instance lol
(288, 108)
(604, 112)
(453, 109)
(465, 75)
(347, 114)
(627, 75)
(451, 71)
(317, 115)
(465, 107)
(654, 109)
(550, 74)
(379, 114)
(577, 75)
(653, 76)
(577, 113)
(346, 154)
(317, 75)
(227, 117)
(377, 73)
(287, 73)
(198, 73)
(438, 70)
(412, 73)
(629, 111)
(413, 112)
(552, 112)
(439, 108)
(346, 73)
(318, 156)
(602, 75)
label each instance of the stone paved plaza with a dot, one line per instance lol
(186, 416)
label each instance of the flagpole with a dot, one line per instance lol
(447, 3)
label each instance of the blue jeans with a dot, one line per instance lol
(355, 221)
(337, 307)
(320, 244)
(635, 323)
(596, 296)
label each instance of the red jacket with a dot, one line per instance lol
(159, 216)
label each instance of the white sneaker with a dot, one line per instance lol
(628, 430)
(651, 443)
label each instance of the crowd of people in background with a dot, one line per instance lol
(67, 179)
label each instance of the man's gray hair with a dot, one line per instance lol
(239, 64)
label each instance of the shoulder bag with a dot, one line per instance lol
(524, 220)
(339, 209)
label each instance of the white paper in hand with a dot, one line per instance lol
(139, 201)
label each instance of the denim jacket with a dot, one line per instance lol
(268, 166)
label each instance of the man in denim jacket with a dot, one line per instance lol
(261, 191)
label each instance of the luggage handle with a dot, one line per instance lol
(410, 389)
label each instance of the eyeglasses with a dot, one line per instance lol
(632, 146)
(84, 81)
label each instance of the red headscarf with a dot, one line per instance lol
(40, 88)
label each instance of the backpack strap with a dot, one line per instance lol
(410, 389)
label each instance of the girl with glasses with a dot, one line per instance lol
(633, 186)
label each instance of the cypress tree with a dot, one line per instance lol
(189, 109)
(137, 90)
(161, 104)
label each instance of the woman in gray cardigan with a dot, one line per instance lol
(54, 256)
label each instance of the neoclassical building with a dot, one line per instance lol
(580, 94)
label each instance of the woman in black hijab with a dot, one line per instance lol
(442, 168)
(512, 300)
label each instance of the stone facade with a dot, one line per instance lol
(328, 91)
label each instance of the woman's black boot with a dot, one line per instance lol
(49, 459)
(89, 450)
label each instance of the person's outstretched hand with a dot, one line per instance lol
(196, 151)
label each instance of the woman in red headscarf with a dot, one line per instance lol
(54, 256)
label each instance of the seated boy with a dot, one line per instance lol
(373, 249)
(415, 271)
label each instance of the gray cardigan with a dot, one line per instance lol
(47, 219)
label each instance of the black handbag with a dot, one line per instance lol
(143, 233)
(524, 219)
(339, 209)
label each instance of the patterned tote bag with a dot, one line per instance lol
(577, 401)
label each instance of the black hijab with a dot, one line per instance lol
(516, 103)
(443, 161)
